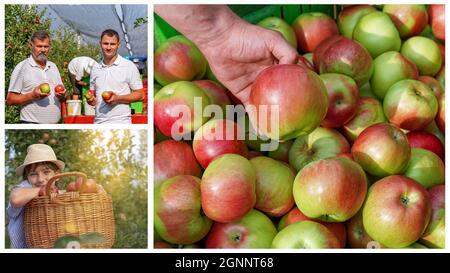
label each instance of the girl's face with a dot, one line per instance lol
(40, 175)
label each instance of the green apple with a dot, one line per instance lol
(424, 53)
(278, 24)
(349, 17)
(426, 168)
(305, 234)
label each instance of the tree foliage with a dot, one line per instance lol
(116, 159)
(20, 23)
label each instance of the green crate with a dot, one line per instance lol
(84, 89)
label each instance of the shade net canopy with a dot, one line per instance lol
(89, 21)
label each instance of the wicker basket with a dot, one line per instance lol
(69, 215)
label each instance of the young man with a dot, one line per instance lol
(120, 77)
(28, 75)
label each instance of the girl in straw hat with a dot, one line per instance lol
(39, 166)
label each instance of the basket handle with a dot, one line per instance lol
(53, 180)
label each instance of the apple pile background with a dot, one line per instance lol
(367, 173)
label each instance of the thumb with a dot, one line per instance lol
(282, 50)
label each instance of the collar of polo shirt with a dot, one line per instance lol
(116, 62)
(32, 62)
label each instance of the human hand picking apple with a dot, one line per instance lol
(41, 91)
(109, 97)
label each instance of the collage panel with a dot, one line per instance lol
(311, 126)
(76, 64)
(61, 192)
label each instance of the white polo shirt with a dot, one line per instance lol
(121, 77)
(26, 76)
(81, 67)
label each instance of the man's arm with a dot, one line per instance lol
(21, 196)
(14, 98)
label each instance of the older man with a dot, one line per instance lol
(120, 77)
(28, 75)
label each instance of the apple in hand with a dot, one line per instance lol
(369, 111)
(342, 99)
(228, 188)
(174, 108)
(305, 234)
(341, 55)
(178, 59)
(106, 95)
(426, 168)
(254, 230)
(177, 211)
(181, 158)
(44, 88)
(217, 137)
(434, 235)
(410, 104)
(349, 16)
(331, 190)
(278, 24)
(397, 211)
(312, 28)
(382, 149)
(425, 140)
(274, 182)
(389, 68)
(376, 32)
(319, 144)
(410, 20)
(297, 92)
(89, 95)
(59, 89)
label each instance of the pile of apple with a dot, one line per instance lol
(89, 186)
(360, 160)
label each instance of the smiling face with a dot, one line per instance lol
(39, 49)
(38, 174)
(109, 45)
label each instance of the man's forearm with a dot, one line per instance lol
(136, 95)
(19, 99)
(210, 21)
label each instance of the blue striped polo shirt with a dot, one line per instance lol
(16, 228)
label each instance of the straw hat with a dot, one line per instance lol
(39, 153)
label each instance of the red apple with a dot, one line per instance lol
(349, 16)
(300, 96)
(319, 144)
(410, 104)
(217, 137)
(434, 235)
(228, 188)
(274, 182)
(216, 93)
(437, 20)
(181, 159)
(397, 211)
(410, 20)
(382, 149)
(338, 54)
(254, 230)
(59, 89)
(177, 212)
(425, 140)
(433, 84)
(178, 59)
(175, 110)
(89, 95)
(88, 186)
(106, 95)
(305, 234)
(357, 236)
(331, 190)
(295, 215)
(253, 154)
(369, 111)
(312, 28)
(343, 98)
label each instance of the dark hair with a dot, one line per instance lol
(32, 167)
(40, 35)
(110, 33)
